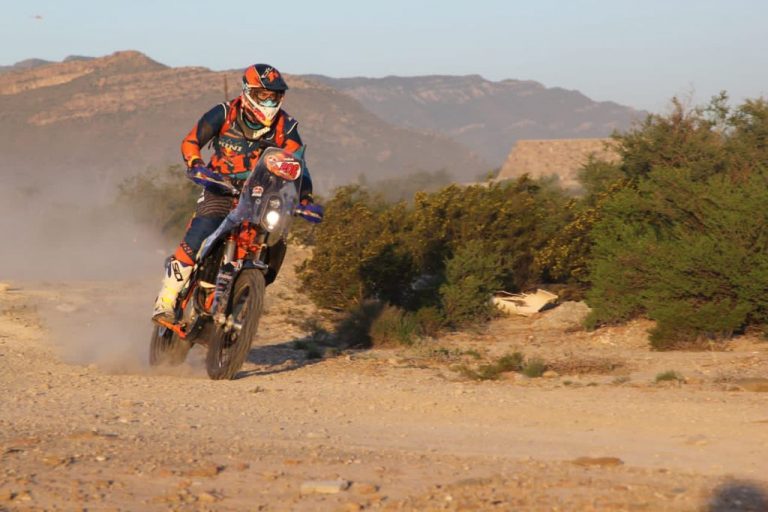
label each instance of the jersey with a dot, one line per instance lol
(234, 151)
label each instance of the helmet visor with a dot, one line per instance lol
(264, 97)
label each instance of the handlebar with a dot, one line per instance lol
(223, 184)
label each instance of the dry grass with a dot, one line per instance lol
(514, 362)
(587, 366)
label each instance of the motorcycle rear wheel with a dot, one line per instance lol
(227, 351)
(166, 348)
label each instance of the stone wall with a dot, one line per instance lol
(560, 157)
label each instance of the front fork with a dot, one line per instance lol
(227, 275)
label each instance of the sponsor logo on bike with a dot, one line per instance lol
(283, 166)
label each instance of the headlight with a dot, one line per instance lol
(271, 219)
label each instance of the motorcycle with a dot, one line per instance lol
(222, 303)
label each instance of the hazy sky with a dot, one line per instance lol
(635, 52)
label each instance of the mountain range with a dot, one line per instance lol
(95, 120)
(487, 116)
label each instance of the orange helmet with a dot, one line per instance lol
(263, 91)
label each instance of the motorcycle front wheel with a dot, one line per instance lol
(166, 348)
(228, 349)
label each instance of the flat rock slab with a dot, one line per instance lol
(598, 461)
(324, 486)
(756, 385)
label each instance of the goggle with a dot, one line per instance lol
(264, 97)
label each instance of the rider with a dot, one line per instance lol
(238, 128)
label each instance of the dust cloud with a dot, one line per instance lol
(65, 232)
(93, 271)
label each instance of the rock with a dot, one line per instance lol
(7, 494)
(598, 461)
(324, 486)
(568, 316)
(756, 385)
(550, 374)
(351, 506)
(697, 441)
(205, 471)
(207, 497)
(56, 460)
(364, 488)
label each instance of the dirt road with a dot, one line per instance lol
(85, 424)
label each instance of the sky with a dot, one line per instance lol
(639, 53)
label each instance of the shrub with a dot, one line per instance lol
(354, 328)
(534, 368)
(690, 255)
(492, 371)
(447, 251)
(669, 375)
(510, 362)
(357, 256)
(429, 321)
(684, 242)
(311, 350)
(471, 275)
(393, 326)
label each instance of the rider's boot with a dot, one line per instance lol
(176, 276)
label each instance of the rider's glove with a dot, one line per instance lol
(311, 212)
(201, 175)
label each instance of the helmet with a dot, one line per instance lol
(263, 90)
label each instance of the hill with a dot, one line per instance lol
(35, 63)
(484, 115)
(97, 120)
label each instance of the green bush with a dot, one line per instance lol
(534, 368)
(430, 321)
(471, 276)
(353, 330)
(514, 362)
(669, 375)
(394, 326)
(685, 243)
(357, 255)
(447, 250)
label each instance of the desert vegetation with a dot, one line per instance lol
(673, 231)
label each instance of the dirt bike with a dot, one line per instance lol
(222, 303)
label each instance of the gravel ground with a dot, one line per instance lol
(86, 425)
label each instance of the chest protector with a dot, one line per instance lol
(236, 147)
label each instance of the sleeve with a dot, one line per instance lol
(206, 128)
(291, 134)
(292, 143)
(305, 193)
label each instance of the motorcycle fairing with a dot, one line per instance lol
(252, 206)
